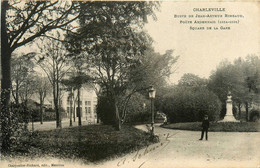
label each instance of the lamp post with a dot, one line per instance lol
(152, 92)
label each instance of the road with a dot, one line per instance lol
(183, 149)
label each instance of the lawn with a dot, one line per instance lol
(217, 127)
(87, 143)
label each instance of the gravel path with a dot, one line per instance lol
(183, 149)
(49, 125)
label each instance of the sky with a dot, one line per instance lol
(201, 51)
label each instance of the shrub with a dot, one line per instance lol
(138, 109)
(254, 115)
(189, 104)
(87, 143)
(105, 110)
(217, 126)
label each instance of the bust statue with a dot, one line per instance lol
(229, 96)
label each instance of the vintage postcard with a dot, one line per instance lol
(130, 84)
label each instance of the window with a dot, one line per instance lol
(88, 103)
(88, 109)
(68, 109)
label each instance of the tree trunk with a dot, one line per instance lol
(31, 112)
(41, 113)
(5, 82)
(58, 112)
(79, 111)
(239, 110)
(27, 115)
(58, 99)
(70, 111)
(56, 105)
(247, 111)
(74, 110)
(114, 103)
(17, 94)
(124, 109)
(118, 120)
(5, 101)
(117, 116)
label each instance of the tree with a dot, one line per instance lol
(186, 104)
(42, 90)
(55, 65)
(21, 68)
(70, 87)
(153, 69)
(79, 62)
(21, 23)
(252, 74)
(138, 109)
(190, 100)
(191, 80)
(241, 78)
(111, 35)
(23, 84)
(252, 64)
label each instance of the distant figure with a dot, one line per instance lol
(205, 127)
(164, 119)
(148, 127)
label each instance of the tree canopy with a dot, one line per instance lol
(241, 78)
(112, 40)
(21, 23)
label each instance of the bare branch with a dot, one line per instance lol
(23, 28)
(54, 38)
(45, 28)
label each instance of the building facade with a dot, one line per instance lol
(88, 103)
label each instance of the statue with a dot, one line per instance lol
(229, 117)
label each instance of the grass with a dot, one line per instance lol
(87, 143)
(217, 127)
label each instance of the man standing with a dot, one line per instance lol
(205, 127)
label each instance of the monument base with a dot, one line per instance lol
(229, 118)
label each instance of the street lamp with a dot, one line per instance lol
(152, 92)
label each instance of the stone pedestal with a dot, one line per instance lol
(229, 117)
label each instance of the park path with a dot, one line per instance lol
(183, 149)
(178, 148)
(50, 125)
